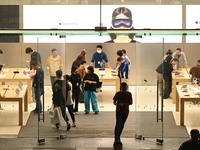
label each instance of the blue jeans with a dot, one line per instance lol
(90, 95)
(53, 79)
(38, 94)
(120, 121)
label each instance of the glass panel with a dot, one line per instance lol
(50, 54)
(147, 58)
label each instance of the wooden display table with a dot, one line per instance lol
(8, 75)
(109, 76)
(182, 77)
(184, 95)
(8, 94)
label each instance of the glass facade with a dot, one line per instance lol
(70, 26)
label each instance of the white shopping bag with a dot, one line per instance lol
(57, 117)
(50, 111)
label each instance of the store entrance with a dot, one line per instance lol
(148, 97)
(146, 112)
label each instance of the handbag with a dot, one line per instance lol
(50, 111)
(57, 117)
(69, 99)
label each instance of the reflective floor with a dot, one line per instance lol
(144, 100)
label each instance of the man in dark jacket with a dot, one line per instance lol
(38, 85)
(193, 143)
(35, 56)
(166, 69)
(59, 99)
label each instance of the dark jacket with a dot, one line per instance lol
(166, 69)
(91, 77)
(36, 55)
(59, 94)
(123, 100)
(75, 80)
(38, 80)
(98, 59)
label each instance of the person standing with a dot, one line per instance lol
(126, 58)
(77, 62)
(34, 55)
(164, 71)
(169, 52)
(122, 67)
(54, 62)
(121, 100)
(75, 80)
(99, 58)
(81, 63)
(195, 71)
(82, 71)
(38, 85)
(90, 80)
(193, 143)
(182, 61)
(59, 97)
(122, 53)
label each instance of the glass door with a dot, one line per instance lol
(52, 50)
(148, 102)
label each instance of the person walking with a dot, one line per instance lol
(69, 102)
(53, 63)
(59, 97)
